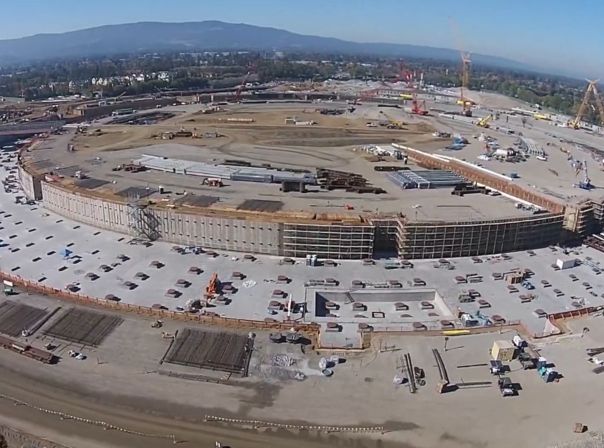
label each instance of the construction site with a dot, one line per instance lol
(251, 254)
(367, 181)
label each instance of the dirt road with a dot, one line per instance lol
(37, 420)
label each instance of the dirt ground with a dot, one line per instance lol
(268, 128)
(18, 439)
(118, 384)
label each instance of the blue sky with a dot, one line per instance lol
(552, 34)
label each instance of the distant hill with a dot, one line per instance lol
(208, 35)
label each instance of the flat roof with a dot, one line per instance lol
(417, 204)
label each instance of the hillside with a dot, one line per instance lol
(208, 35)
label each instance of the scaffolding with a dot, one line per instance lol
(328, 241)
(141, 220)
(583, 218)
(470, 238)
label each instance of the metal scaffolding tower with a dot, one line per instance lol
(141, 220)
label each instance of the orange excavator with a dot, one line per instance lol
(212, 287)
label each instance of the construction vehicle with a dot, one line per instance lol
(485, 121)
(212, 182)
(539, 116)
(528, 285)
(591, 90)
(585, 182)
(392, 123)
(403, 74)
(506, 387)
(212, 287)
(418, 108)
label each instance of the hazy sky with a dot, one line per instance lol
(552, 34)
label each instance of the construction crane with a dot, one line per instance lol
(418, 107)
(250, 70)
(484, 122)
(241, 87)
(403, 75)
(591, 90)
(466, 62)
(585, 182)
(465, 82)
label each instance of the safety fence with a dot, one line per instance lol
(264, 424)
(573, 314)
(310, 329)
(509, 325)
(103, 424)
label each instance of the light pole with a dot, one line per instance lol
(415, 207)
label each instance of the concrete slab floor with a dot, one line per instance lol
(41, 238)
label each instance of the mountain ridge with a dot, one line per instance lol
(140, 37)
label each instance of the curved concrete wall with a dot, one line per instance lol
(170, 225)
(30, 184)
(94, 211)
(335, 240)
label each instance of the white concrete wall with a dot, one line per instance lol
(30, 185)
(174, 226)
(93, 211)
(220, 233)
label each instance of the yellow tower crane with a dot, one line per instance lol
(466, 63)
(591, 90)
(465, 83)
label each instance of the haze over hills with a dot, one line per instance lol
(209, 35)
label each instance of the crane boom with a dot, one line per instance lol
(590, 90)
(599, 104)
(484, 122)
(240, 88)
(466, 62)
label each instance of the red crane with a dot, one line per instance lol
(418, 107)
(250, 70)
(403, 75)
